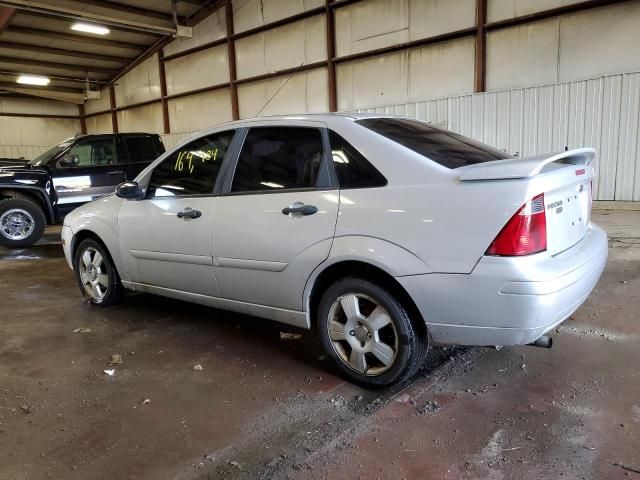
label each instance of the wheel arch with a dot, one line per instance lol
(366, 271)
(84, 234)
(34, 195)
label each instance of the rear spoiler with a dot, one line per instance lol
(525, 167)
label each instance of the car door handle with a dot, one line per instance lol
(115, 172)
(189, 213)
(300, 208)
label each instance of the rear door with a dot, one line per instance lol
(138, 151)
(274, 223)
(88, 171)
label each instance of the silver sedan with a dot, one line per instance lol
(382, 233)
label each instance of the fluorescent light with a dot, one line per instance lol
(33, 80)
(89, 28)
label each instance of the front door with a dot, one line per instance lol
(88, 171)
(166, 238)
(275, 224)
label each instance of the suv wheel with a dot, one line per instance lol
(96, 275)
(22, 222)
(368, 333)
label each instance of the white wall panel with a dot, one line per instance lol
(305, 92)
(381, 23)
(141, 119)
(441, 70)
(29, 137)
(600, 42)
(428, 18)
(212, 28)
(428, 72)
(202, 69)
(288, 46)
(36, 106)
(100, 105)
(602, 113)
(197, 112)
(523, 55)
(502, 9)
(249, 14)
(140, 84)
(99, 124)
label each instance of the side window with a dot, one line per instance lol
(193, 169)
(278, 158)
(352, 169)
(91, 153)
(140, 149)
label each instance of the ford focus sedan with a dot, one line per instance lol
(383, 234)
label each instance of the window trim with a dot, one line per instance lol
(231, 152)
(333, 167)
(324, 182)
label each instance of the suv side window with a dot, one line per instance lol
(140, 148)
(278, 158)
(352, 169)
(193, 169)
(92, 153)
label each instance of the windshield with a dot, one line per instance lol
(45, 157)
(449, 149)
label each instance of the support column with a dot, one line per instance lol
(114, 114)
(481, 46)
(83, 120)
(163, 92)
(231, 47)
(331, 55)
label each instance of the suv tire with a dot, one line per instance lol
(22, 222)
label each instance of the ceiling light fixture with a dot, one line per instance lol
(90, 28)
(33, 80)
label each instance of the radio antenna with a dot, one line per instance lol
(278, 91)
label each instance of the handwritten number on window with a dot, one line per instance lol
(188, 159)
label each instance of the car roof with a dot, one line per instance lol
(327, 118)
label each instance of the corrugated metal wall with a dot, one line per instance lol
(603, 113)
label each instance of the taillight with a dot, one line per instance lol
(525, 233)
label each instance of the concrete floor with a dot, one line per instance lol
(264, 406)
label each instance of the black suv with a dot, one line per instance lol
(81, 169)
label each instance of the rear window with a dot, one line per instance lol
(446, 148)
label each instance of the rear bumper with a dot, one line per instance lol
(509, 301)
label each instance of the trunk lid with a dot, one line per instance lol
(564, 178)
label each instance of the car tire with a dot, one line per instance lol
(96, 274)
(22, 222)
(377, 346)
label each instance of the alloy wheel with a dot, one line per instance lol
(362, 334)
(93, 273)
(16, 224)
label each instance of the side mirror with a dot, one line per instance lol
(129, 190)
(69, 161)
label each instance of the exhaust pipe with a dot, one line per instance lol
(544, 342)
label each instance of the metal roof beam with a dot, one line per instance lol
(63, 52)
(56, 65)
(72, 37)
(80, 15)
